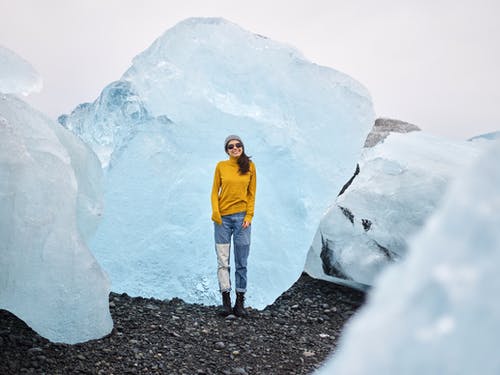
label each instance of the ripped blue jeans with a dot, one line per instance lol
(232, 227)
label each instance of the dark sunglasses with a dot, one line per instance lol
(230, 147)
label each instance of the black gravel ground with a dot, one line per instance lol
(294, 335)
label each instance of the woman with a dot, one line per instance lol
(233, 200)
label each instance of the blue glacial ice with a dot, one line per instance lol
(436, 312)
(401, 183)
(159, 133)
(50, 205)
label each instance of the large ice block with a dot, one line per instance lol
(160, 129)
(50, 204)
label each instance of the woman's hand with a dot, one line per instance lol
(245, 224)
(216, 217)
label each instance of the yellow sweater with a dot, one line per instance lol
(233, 192)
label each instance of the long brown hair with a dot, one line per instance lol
(244, 162)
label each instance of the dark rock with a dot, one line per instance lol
(294, 335)
(384, 126)
(348, 183)
(330, 264)
(367, 224)
(35, 350)
(219, 345)
(347, 213)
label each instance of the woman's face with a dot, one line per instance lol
(233, 149)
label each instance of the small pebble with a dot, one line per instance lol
(220, 345)
(239, 370)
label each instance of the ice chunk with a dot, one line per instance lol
(436, 312)
(17, 76)
(400, 184)
(161, 127)
(50, 203)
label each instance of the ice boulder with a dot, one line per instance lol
(159, 132)
(436, 311)
(50, 204)
(17, 76)
(402, 179)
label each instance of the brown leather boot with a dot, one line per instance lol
(239, 308)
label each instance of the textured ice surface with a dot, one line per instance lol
(50, 203)
(400, 184)
(486, 137)
(436, 312)
(17, 76)
(160, 131)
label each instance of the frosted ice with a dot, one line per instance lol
(17, 76)
(400, 184)
(50, 203)
(437, 312)
(486, 137)
(159, 130)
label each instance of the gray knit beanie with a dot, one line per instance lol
(231, 138)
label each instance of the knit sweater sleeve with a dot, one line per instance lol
(216, 216)
(252, 188)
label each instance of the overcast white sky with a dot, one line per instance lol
(434, 63)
